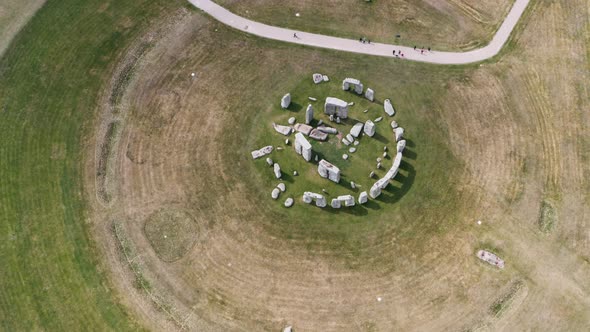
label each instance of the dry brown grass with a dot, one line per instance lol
(443, 24)
(521, 137)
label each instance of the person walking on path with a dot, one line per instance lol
(295, 35)
(414, 47)
(429, 49)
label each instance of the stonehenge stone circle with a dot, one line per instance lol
(308, 114)
(329, 171)
(336, 107)
(370, 94)
(302, 146)
(286, 101)
(352, 83)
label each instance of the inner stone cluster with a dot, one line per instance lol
(337, 110)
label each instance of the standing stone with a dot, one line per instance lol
(291, 120)
(282, 187)
(308, 114)
(307, 198)
(401, 145)
(354, 83)
(363, 197)
(337, 119)
(336, 107)
(317, 158)
(286, 101)
(320, 122)
(352, 185)
(302, 146)
(378, 165)
(332, 117)
(345, 156)
(384, 155)
(369, 128)
(295, 173)
(388, 107)
(287, 141)
(385, 148)
(335, 203)
(371, 175)
(352, 150)
(399, 133)
(329, 171)
(370, 94)
(269, 162)
(375, 191)
(347, 199)
(277, 170)
(394, 124)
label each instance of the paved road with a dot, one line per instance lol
(225, 16)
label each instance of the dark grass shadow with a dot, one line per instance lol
(357, 210)
(393, 192)
(295, 107)
(410, 154)
(380, 138)
(410, 143)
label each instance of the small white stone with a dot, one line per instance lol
(193, 74)
(385, 148)
(479, 222)
(378, 165)
(297, 14)
(394, 124)
(351, 103)
(379, 299)
(345, 156)
(352, 150)
(289, 202)
(287, 141)
(378, 119)
(356, 142)
(282, 187)
(337, 119)
(365, 111)
(384, 154)
(269, 162)
(295, 173)
(378, 160)
(352, 185)
(275, 193)
(291, 120)
(372, 174)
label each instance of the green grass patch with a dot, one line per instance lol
(547, 216)
(171, 233)
(504, 301)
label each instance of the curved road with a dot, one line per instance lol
(311, 39)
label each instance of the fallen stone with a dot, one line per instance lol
(378, 119)
(275, 193)
(291, 120)
(345, 141)
(262, 152)
(356, 129)
(356, 142)
(318, 135)
(369, 128)
(282, 129)
(289, 202)
(363, 197)
(282, 187)
(350, 138)
(345, 156)
(303, 128)
(337, 119)
(370, 94)
(394, 124)
(351, 103)
(490, 258)
(286, 101)
(269, 162)
(328, 130)
(352, 150)
(317, 78)
(308, 114)
(312, 98)
(365, 111)
(279, 148)
(277, 170)
(326, 78)
(388, 107)
(320, 122)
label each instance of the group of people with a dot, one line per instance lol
(364, 40)
(422, 50)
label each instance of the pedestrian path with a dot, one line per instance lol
(342, 44)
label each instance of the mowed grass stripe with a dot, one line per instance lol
(49, 81)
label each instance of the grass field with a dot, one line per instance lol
(490, 142)
(441, 24)
(51, 277)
